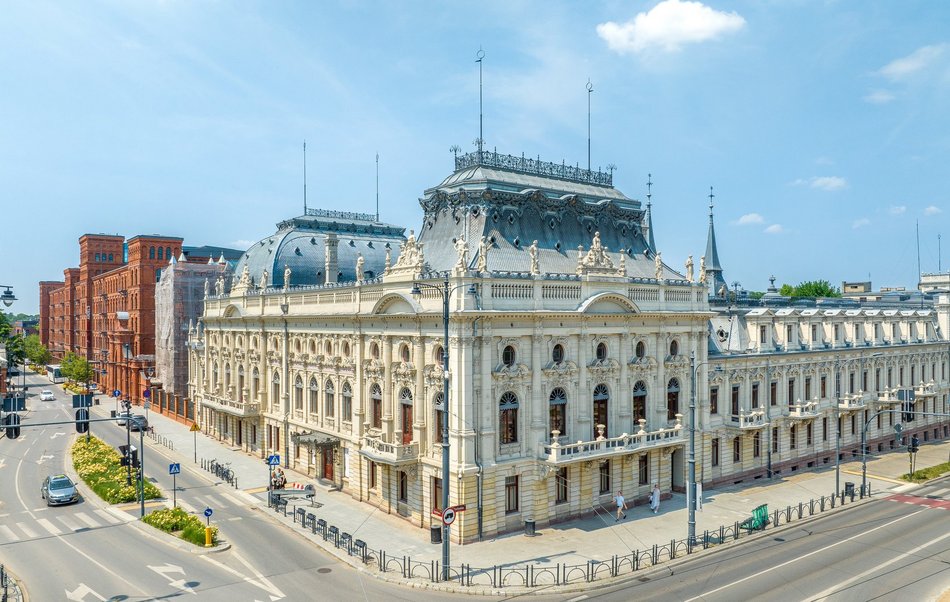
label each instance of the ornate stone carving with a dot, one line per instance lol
(404, 374)
(461, 249)
(287, 274)
(483, 246)
(533, 252)
(360, 264)
(596, 260)
(658, 266)
(702, 270)
(689, 268)
(411, 258)
(433, 375)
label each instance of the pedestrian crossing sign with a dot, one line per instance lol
(195, 428)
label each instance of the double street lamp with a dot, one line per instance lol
(445, 290)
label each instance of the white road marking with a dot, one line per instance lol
(59, 434)
(231, 498)
(263, 583)
(44, 458)
(70, 523)
(79, 594)
(165, 569)
(30, 533)
(940, 492)
(49, 526)
(796, 559)
(8, 534)
(841, 586)
(86, 519)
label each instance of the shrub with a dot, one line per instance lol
(178, 522)
(98, 465)
(925, 474)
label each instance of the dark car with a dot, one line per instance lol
(59, 489)
(137, 422)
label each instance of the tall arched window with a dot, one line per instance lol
(508, 356)
(227, 378)
(404, 354)
(639, 401)
(168, 253)
(255, 384)
(374, 351)
(672, 399)
(674, 348)
(160, 253)
(313, 396)
(557, 412)
(298, 394)
(508, 418)
(151, 252)
(601, 401)
(275, 391)
(405, 409)
(376, 397)
(241, 383)
(214, 376)
(347, 393)
(439, 404)
(328, 409)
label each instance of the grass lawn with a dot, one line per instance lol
(181, 524)
(925, 474)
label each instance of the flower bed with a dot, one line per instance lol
(181, 524)
(99, 467)
(925, 474)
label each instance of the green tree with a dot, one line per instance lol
(76, 368)
(35, 351)
(12, 342)
(787, 290)
(810, 288)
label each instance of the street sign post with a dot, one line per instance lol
(448, 517)
(208, 513)
(174, 470)
(272, 461)
(194, 429)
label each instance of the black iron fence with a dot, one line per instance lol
(558, 574)
(9, 587)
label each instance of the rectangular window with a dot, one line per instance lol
(808, 434)
(762, 334)
(851, 382)
(561, 486)
(714, 400)
(755, 395)
(824, 428)
(715, 451)
(372, 475)
(837, 333)
(644, 470)
(839, 427)
(773, 393)
(792, 439)
(774, 439)
(854, 425)
(605, 477)
(814, 333)
(756, 445)
(511, 495)
(879, 416)
(788, 335)
(791, 391)
(864, 381)
(437, 493)
(735, 400)
(403, 486)
(807, 388)
(824, 387)
(890, 379)
(736, 450)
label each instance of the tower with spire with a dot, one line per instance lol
(648, 216)
(714, 279)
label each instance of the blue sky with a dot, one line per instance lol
(823, 126)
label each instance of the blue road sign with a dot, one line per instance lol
(147, 393)
(273, 460)
(208, 512)
(174, 468)
(117, 393)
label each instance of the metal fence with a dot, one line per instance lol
(558, 574)
(9, 587)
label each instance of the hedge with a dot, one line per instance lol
(98, 465)
(181, 524)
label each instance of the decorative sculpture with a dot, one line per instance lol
(265, 279)
(482, 255)
(658, 263)
(689, 268)
(461, 248)
(245, 276)
(702, 270)
(207, 285)
(360, 264)
(287, 274)
(389, 260)
(535, 264)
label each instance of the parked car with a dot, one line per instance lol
(137, 422)
(47, 395)
(123, 417)
(59, 489)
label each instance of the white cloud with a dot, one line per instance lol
(750, 218)
(860, 223)
(932, 210)
(897, 209)
(914, 62)
(828, 182)
(879, 97)
(774, 229)
(241, 244)
(668, 26)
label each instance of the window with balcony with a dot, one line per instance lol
(329, 404)
(508, 418)
(672, 399)
(313, 396)
(405, 409)
(557, 411)
(639, 401)
(601, 404)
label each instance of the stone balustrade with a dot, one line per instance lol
(605, 447)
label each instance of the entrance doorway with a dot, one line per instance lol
(328, 464)
(677, 480)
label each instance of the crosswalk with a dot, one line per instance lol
(24, 530)
(196, 504)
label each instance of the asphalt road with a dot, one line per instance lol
(888, 549)
(91, 551)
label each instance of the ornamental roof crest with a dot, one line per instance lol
(596, 260)
(411, 259)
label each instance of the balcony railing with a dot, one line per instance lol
(605, 447)
(803, 410)
(888, 397)
(390, 453)
(925, 390)
(241, 409)
(851, 402)
(754, 419)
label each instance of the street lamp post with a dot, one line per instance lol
(445, 290)
(691, 461)
(837, 428)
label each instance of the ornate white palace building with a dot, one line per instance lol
(569, 356)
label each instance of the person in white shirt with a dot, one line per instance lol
(621, 506)
(655, 498)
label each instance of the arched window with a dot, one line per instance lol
(674, 348)
(312, 348)
(639, 401)
(328, 348)
(275, 391)
(255, 383)
(641, 350)
(241, 383)
(298, 394)
(160, 253)
(168, 253)
(437, 356)
(151, 252)
(374, 351)
(376, 396)
(508, 356)
(405, 409)
(214, 376)
(439, 404)
(328, 404)
(347, 393)
(557, 354)
(508, 418)
(404, 353)
(672, 399)
(313, 396)
(557, 412)
(346, 349)
(601, 401)
(601, 351)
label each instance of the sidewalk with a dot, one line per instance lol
(595, 537)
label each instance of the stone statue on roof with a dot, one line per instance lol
(219, 285)
(482, 255)
(287, 273)
(207, 285)
(410, 255)
(723, 291)
(535, 264)
(658, 264)
(702, 270)
(596, 257)
(265, 279)
(389, 260)
(461, 248)
(245, 276)
(689, 268)
(622, 270)
(360, 265)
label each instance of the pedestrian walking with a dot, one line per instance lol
(655, 498)
(621, 506)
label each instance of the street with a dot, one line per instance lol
(91, 551)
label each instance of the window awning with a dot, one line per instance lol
(315, 440)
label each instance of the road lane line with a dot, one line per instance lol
(275, 593)
(87, 519)
(30, 533)
(8, 534)
(844, 584)
(71, 524)
(797, 558)
(187, 507)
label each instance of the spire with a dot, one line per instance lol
(648, 218)
(182, 258)
(222, 260)
(714, 278)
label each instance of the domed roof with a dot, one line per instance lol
(300, 243)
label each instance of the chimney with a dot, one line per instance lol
(332, 265)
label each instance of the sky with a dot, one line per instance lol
(822, 127)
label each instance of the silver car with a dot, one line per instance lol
(59, 489)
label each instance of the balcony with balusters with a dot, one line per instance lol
(604, 448)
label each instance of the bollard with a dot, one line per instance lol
(322, 524)
(208, 537)
(360, 546)
(335, 532)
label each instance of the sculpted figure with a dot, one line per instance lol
(658, 263)
(206, 288)
(287, 274)
(360, 264)
(702, 270)
(265, 276)
(535, 264)
(461, 248)
(689, 268)
(482, 255)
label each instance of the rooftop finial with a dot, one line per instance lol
(711, 196)
(649, 188)
(590, 90)
(377, 187)
(305, 177)
(481, 138)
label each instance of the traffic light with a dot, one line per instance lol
(12, 420)
(125, 459)
(82, 420)
(914, 444)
